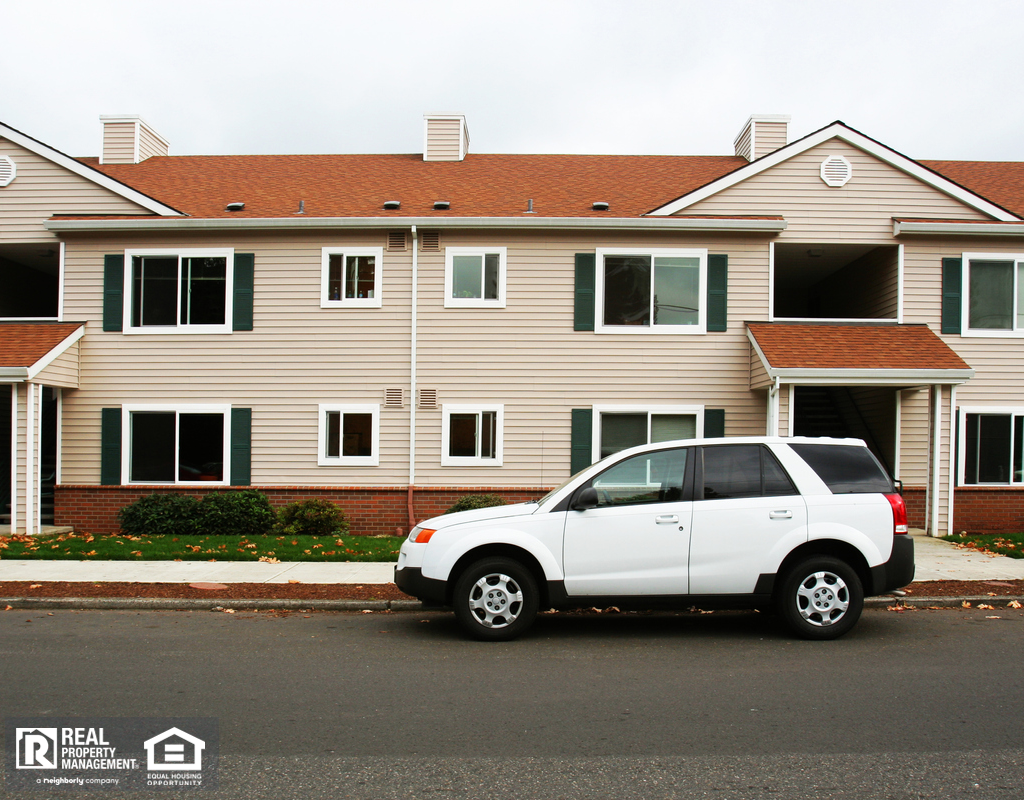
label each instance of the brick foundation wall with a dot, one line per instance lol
(370, 510)
(988, 509)
(915, 498)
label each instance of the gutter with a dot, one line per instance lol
(412, 380)
(319, 223)
(958, 228)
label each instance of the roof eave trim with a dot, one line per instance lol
(13, 374)
(957, 228)
(310, 223)
(56, 352)
(871, 377)
(837, 130)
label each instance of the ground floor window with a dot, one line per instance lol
(472, 435)
(349, 435)
(619, 427)
(186, 444)
(991, 446)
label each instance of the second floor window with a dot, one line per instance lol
(656, 291)
(474, 277)
(187, 290)
(995, 294)
(351, 276)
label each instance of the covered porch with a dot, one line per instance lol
(894, 386)
(38, 363)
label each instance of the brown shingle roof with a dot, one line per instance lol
(1002, 182)
(22, 344)
(483, 185)
(874, 347)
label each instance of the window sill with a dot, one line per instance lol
(453, 461)
(349, 461)
(369, 302)
(190, 330)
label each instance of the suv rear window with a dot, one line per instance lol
(846, 469)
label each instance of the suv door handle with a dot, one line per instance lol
(667, 519)
(780, 515)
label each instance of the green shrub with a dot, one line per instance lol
(160, 515)
(316, 517)
(241, 513)
(470, 501)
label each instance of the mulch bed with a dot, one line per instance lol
(379, 591)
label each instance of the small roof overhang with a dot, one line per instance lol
(956, 227)
(28, 348)
(837, 354)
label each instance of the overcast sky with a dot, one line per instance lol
(930, 78)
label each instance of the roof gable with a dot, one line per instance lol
(27, 348)
(77, 167)
(838, 130)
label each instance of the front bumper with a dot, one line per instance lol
(898, 571)
(411, 581)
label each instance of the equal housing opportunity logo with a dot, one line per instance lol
(111, 753)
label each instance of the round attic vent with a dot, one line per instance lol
(7, 170)
(836, 171)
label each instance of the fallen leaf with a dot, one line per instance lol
(8, 608)
(985, 607)
(965, 604)
(990, 617)
(229, 611)
(36, 586)
(367, 611)
(290, 580)
(1013, 604)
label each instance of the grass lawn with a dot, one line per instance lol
(88, 547)
(1003, 544)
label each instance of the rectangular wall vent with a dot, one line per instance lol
(396, 240)
(428, 398)
(394, 398)
(430, 241)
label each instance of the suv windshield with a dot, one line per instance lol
(846, 469)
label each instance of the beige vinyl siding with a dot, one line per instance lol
(63, 370)
(860, 211)
(785, 411)
(150, 144)
(758, 375)
(526, 356)
(443, 138)
(298, 355)
(119, 143)
(914, 437)
(43, 189)
(769, 137)
(742, 147)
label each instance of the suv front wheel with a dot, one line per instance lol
(496, 599)
(820, 598)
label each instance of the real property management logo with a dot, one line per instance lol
(123, 753)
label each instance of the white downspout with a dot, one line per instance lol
(30, 446)
(933, 523)
(773, 409)
(412, 379)
(952, 457)
(14, 458)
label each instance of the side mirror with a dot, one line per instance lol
(585, 499)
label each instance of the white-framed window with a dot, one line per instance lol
(993, 294)
(471, 435)
(618, 427)
(349, 435)
(351, 277)
(991, 445)
(651, 291)
(176, 444)
(474, 277)
(181, 291)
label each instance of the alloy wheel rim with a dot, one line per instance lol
(822, 599)
(496, 600)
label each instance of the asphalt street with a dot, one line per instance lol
(909, 705)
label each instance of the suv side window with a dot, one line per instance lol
(647, 478)
(846, 469)
(743, 470)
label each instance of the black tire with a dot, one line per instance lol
(820, 598)
(496, 599)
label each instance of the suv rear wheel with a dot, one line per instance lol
(820, 598)
(496, 599)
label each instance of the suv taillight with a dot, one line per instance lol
(899, 514)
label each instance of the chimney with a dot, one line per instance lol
(445, 137)
(128, 139)
(762, 134)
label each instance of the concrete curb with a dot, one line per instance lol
(212, 604)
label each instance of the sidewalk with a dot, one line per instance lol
(936, 559)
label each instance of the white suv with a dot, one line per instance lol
(808, 526)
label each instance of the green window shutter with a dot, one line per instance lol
(718, 287)
(714, 423)
(241, 312)
(241, 446)
(113, 292)
(110, 446)
(582, 439)
(952, 290)
(586, 294)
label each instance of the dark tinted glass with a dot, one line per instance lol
(152, 457)
(845, 469)
(627, 290)
(776, 481)
(201, 447)
(647, 478)
(732, 471)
